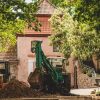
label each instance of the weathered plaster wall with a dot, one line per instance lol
(24, 54)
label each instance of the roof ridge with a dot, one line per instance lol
(48, 2)
(45, 7)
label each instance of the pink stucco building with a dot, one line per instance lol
(25, 56)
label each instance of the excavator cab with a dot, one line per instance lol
(59, 63)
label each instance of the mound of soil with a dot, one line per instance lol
(16, 89)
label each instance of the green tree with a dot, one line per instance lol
(88, 11)
(72, 37)
(19, 9)
(8, 31)
(14, 16)
(85, 11)
(60, 3)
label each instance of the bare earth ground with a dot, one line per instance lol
(16, 90)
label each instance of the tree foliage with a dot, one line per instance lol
(88, 11)
(8, 31)
(60, 3)
(14, 16)
(72, 37)
(18, 9)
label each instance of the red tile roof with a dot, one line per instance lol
(45, 28)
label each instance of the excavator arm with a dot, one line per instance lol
(43, 62)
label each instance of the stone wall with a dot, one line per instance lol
(81, 80)
(84, 81)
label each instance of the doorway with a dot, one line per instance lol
(31, 66)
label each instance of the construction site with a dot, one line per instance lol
(46, 82)
(36, 70)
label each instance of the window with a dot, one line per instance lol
(33, 44)
(55, 48)
(4, 71)
(2, 66)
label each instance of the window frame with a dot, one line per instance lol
(55, 48)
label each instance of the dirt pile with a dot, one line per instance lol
(16, 89)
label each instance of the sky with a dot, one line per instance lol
(28, 1)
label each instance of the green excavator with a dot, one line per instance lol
(46, 77)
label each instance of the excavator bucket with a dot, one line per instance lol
(35, 79)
